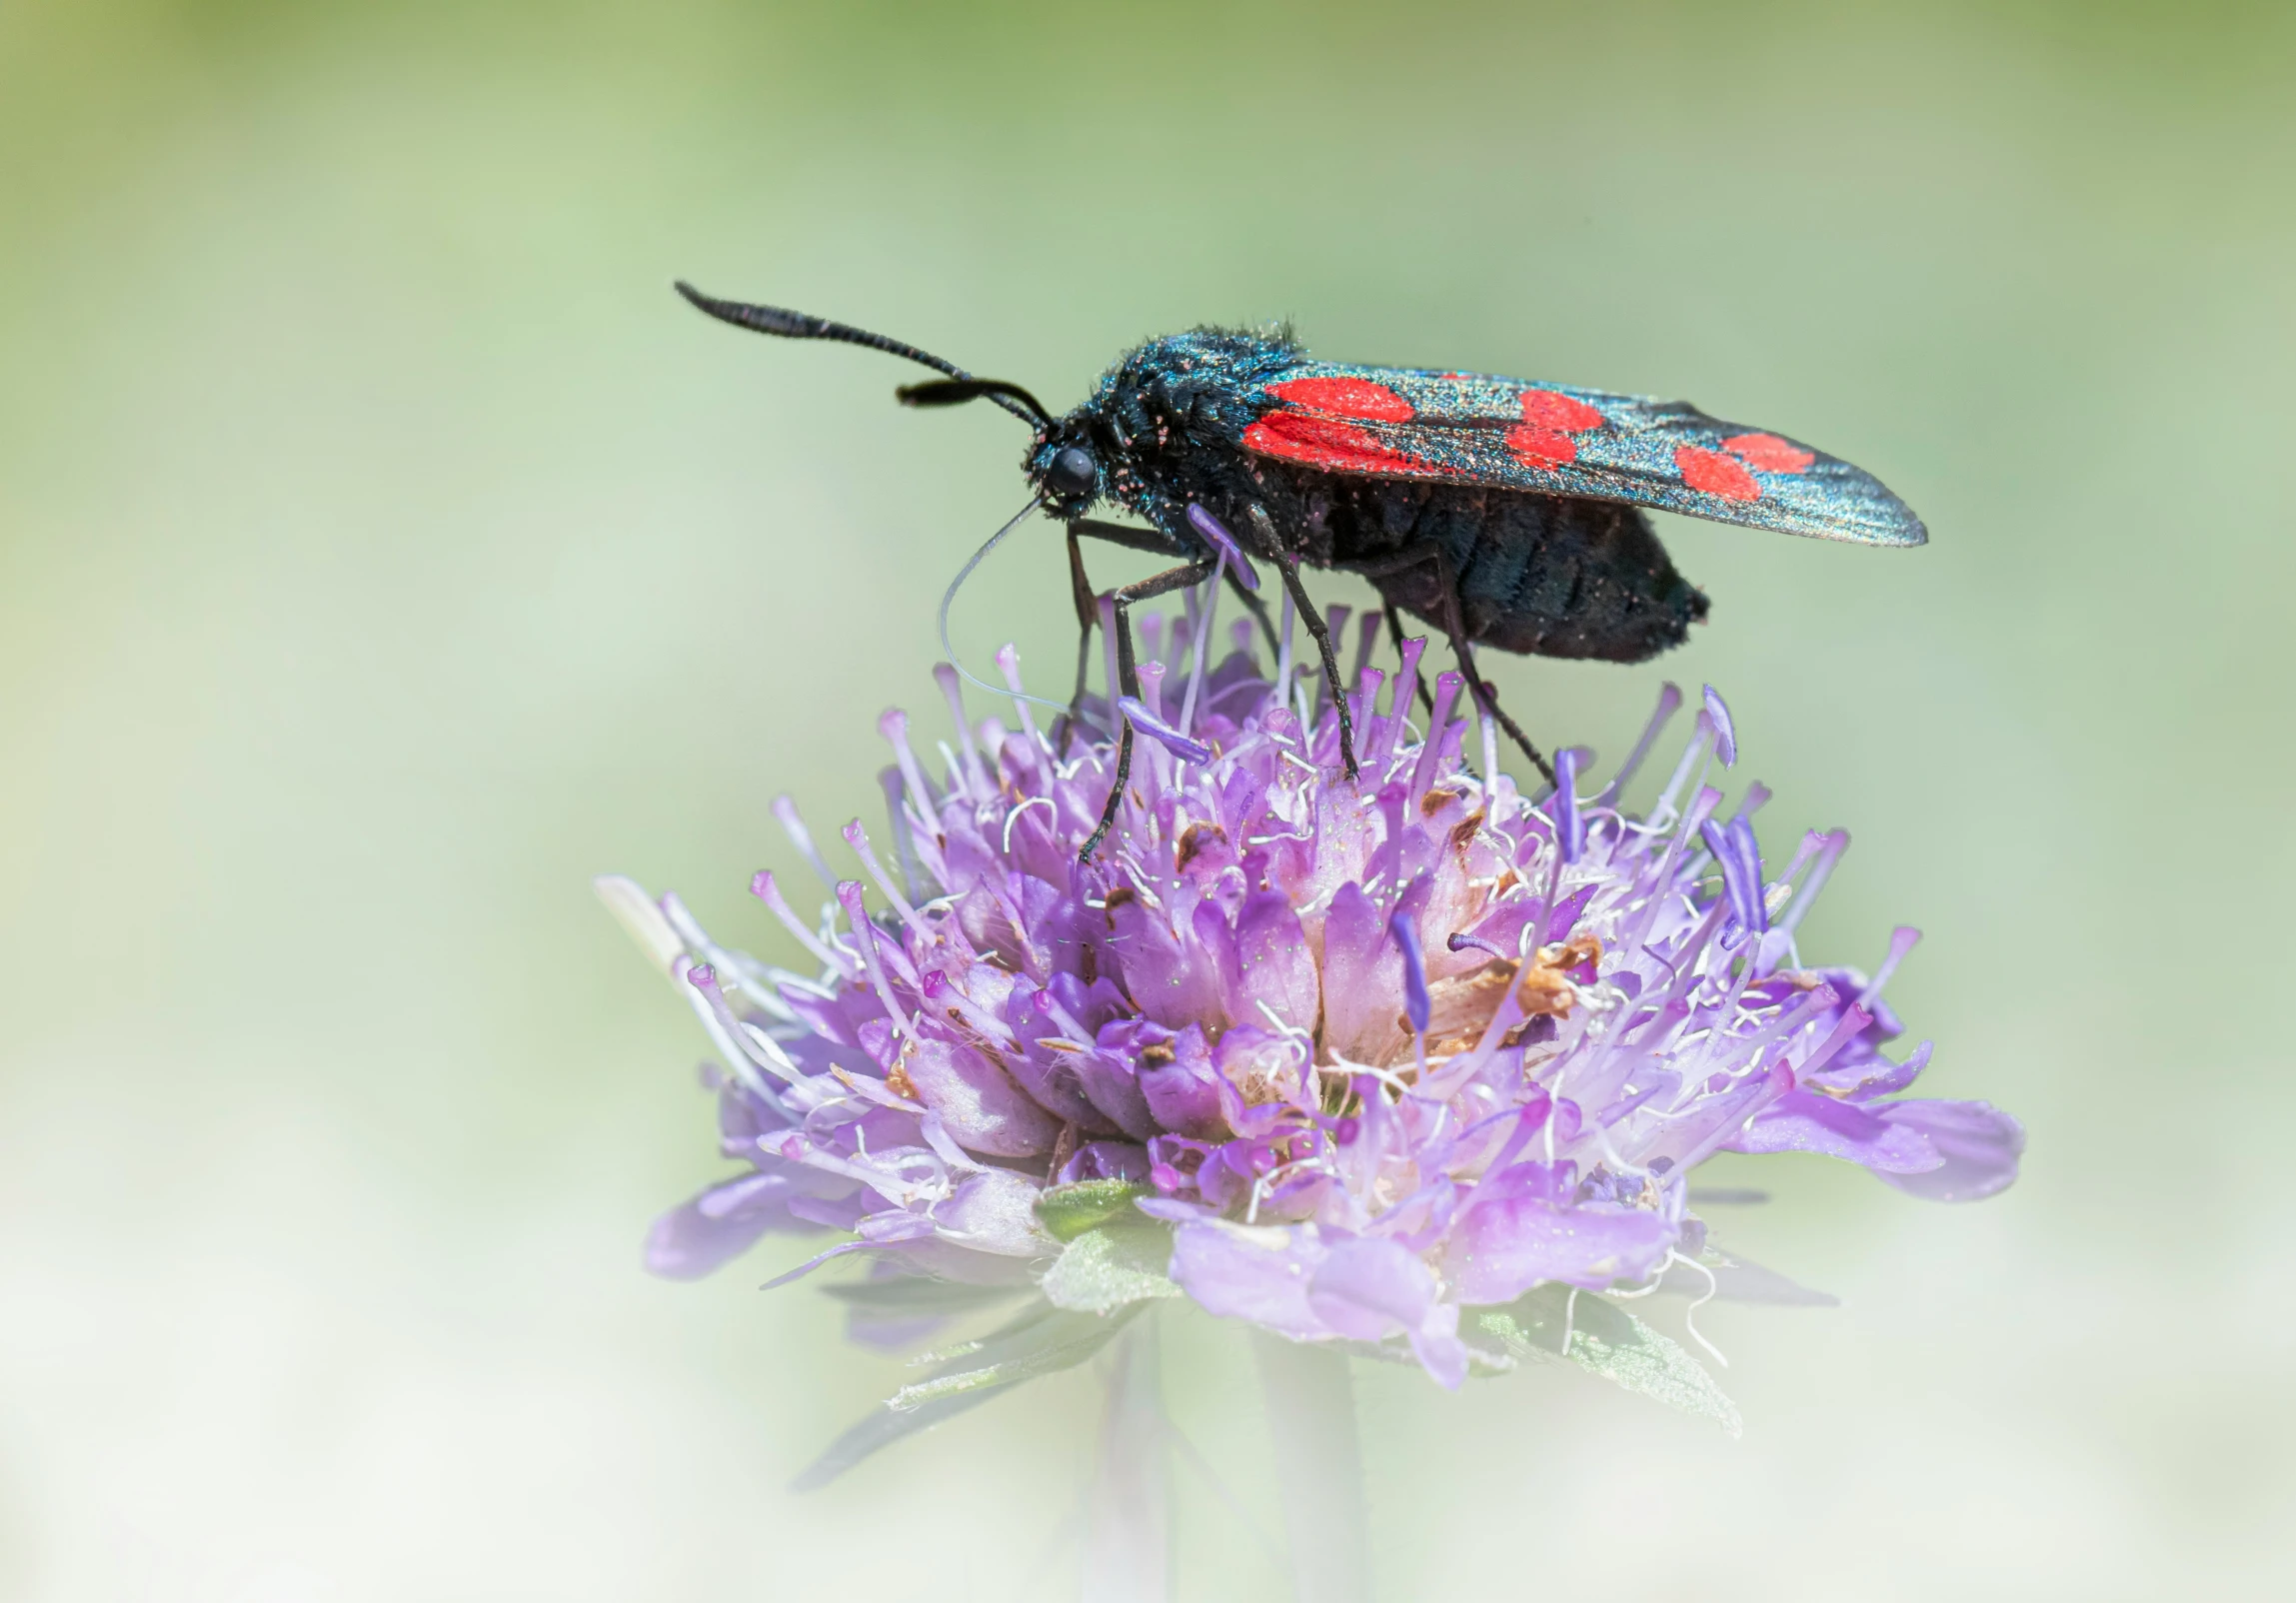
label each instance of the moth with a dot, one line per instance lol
(1501, 512)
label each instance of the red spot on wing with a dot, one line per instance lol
(1542, 439)
(1541, 446)
(1543, 409)
(1346, 398)
(1768, 453)
(1327, 443)
(1715, 474)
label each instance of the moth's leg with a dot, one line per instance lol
(1081, 592)
(1395, 635)
(1087, 605)
(1153, 540)
(1288, 565)
(1454, 626)
(1127, 675)
(1488, 698)
(1163, 544)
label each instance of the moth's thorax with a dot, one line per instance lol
(1167, 418)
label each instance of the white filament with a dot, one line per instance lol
(1690, 1315)
(949, 598)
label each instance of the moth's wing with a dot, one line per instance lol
(1396, 423)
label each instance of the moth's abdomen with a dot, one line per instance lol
(1548, 574)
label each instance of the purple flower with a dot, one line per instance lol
(1359, 1063)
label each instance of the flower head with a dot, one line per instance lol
(1342, 1059)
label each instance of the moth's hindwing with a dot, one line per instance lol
(1473, 428)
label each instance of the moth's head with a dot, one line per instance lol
(1063, 463)
(1065, 467)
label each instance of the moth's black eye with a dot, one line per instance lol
(1073, 473)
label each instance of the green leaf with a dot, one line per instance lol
(922, 1295)
(1607, 1340)
(882, 1427)
(1112, 1267)
(1067, 1211)
(1042, 1340)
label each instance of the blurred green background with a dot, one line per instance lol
(384, 550)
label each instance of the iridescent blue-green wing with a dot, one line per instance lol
(1397, 423)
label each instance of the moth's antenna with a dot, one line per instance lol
(802, 326)
(949, 391)
(949, 598)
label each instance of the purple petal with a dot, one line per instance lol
(834, 1019)
(1741, 882)
(1861, 1078)
(720, 1224)
(1273, 964)
(1569, 827)
(1173, 1211)
(1177, 1077)
(948, 1260)
(1725, 732)
(1215, 531)
(1371, 1289)
(994, 1211)
(1136, 713)
(1436, 1345)
(1169, 974)
(1106, 1160)
(1257, 1273)
(1363, 976)
(1407, 937)
(1564, 919)
(1852, 986)
(889, 1226)
(1501, 1249)
(1805, 1121)
(1215, 948)
(832, 1212)
(1113, 1084)
(1259, 1079)
(1740, 834)
(1981, 1147)
(1048, 1072)
(983, 1110)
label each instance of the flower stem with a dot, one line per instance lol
(1320, 1465)
(1128, 1536)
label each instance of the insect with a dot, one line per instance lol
(1503, 512)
